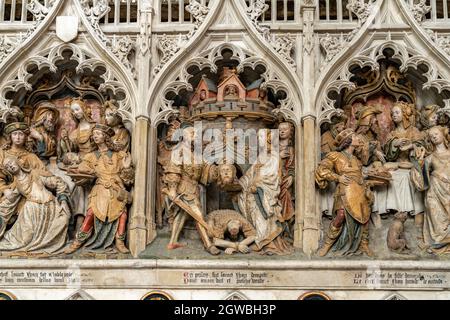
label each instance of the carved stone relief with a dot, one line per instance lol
(64, 136)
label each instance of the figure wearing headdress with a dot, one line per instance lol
(43, 130)
(349, 230)
(106, 217)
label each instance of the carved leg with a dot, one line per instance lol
(364, 245)
(206, 241)
(83, 233)
(121, 233)
(333, 232)
(418, 221)
(178, 225)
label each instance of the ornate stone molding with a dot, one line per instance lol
(145, 26)
(282, 45)
(407, 57)
(361, 9)
(94, 13)
(419, 10)
(170, 45)
(334, 44)
(39, 12)
(208, 59)
(49, 58)
(308, 9)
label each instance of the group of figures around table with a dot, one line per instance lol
(406, 171)
(64, 178)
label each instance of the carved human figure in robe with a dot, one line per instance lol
(429, 116)
(349, 230)
(81, 137)
(165, 147)
(287, 182)
(43, 218)
(367, 128)
(401, 195)
(328, 138)
(231, 231)
(183, 177)
(328, 144)
(16, 146)
(432, 175)
(65, 146)
(106, 218)
(82, 143)
(259, 200)
(121, 139)
(43, 130)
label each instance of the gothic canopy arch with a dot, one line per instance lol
(68, 61)
(289, 104)
(405, 56)
(279, 75)
(411, 51)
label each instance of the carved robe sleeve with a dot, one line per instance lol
(420, 174)
(57, 184)
(325, 172)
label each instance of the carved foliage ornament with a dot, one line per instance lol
(169, 46)
(39, 12)
(282, 45)
(419, 10)
(121, 48)
(334, 44)
(361, 9)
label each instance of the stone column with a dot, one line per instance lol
(299, 178)
(311, 231)
(311, 222)
(151, 184)
(138, 232)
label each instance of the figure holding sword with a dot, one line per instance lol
(182, 179)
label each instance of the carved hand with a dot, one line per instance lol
(126, 161)
(230, 251)
(36, 135)
(243, 248)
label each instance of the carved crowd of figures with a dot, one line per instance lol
(61, 187)
(364, 176)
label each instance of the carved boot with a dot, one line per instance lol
(73, 247)
(333, 234)
(80, 238)
(120, 245)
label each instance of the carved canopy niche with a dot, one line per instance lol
(64, 71)
(388, 74)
